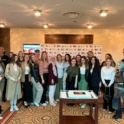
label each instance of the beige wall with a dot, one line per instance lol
(112, 40)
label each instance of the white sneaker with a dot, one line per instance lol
(15, 108)
(104, 110)
(57, 100)
(44, 104)
(109, 112)
(25, 103)
(1, 118)
(52, 104)
(11, 109)
(36, 104)
(93, 108)
(32, 103)
(83, 105)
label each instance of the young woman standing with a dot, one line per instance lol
(35, 79)
(71, 77)
(108, 75)
(52, 80)
(26, 79)
(43, 69)
(13, 74)
(2, 81)
(59, 85)
(82, 84)
(94, 78)
(67, 63)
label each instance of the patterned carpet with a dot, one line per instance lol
(50, 115)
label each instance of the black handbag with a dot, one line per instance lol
(107, 97)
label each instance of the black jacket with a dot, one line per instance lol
(94, 78)
(35, 72)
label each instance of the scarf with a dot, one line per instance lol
(54, 68)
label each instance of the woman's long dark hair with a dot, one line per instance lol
(13, 60)
(86, 62)
(68, 57)
(96, 65)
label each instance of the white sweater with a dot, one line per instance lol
(108, 74)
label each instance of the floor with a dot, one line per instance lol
(50, 115)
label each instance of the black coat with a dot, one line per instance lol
(94, 78)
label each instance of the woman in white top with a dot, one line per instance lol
(13, 74)
(59, 85)
(83, 75)
(26, 79)
(108, 75)
(67, 63)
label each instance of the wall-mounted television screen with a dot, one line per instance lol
(30, 48)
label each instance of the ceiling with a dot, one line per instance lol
(19, 13)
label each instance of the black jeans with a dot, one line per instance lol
(28, 93)
(108, 103)
(45, 85)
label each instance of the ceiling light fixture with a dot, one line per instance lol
(103, 13)
(2, 25)
(89, 26)
(45, 25)
(37, 12)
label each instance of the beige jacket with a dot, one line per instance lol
(23, 73)
(11, 74)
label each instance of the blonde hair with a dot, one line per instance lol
(58, 56)
(42, 56)
(112, 62)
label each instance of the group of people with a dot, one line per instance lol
(37, 76)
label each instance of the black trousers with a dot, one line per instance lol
(28, 93)
(45, 85)
(70, 83)
(4, 91)
(95, 90)
(106, 103)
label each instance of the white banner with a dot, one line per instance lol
(72, 49)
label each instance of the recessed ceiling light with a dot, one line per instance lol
(45, 25)
(37, 12)
(103, 13)
(2, 25)
(89, 26)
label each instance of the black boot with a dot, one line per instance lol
(118, 115)
(0, 109)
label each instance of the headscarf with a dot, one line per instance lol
(53, 66)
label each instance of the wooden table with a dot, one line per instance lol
(79, 119)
